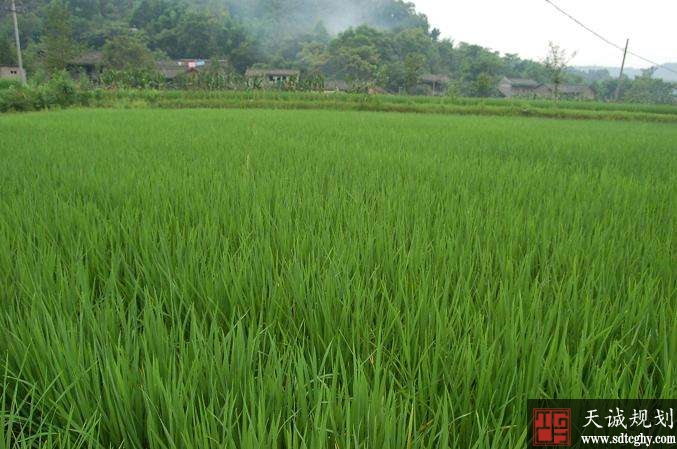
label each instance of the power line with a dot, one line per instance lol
(607, 41)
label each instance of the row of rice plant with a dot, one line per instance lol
(389, 103)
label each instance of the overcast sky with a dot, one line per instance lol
(525, 27)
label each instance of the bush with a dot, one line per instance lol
(131, 79)
(60, 91)
(6, 83)
(19, 98)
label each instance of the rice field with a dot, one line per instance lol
(253, 279)
(573, 110)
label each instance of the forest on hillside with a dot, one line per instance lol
(386, 43)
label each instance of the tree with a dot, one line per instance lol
(394, 15)
(515, 67)
(127, 52)
(185, 33)
(413, 65)
(357, 54)
(313, 57)
(556, 63)
(475, 61)
(7, 53)
(58, 41)
(646, 89)
(606, 89)
(484, 85)
(147, 11)
(355, 64)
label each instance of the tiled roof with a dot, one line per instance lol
(252, 73)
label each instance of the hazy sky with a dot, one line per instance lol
(525, 27)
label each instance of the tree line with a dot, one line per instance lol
(383, 43)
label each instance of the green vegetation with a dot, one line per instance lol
(376, 43)
(390, 103)
(61, 92)
(315, 279)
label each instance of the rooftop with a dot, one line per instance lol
(521, 82)
(172, 68)
(252, 73)
(572, 88)
(88, 58)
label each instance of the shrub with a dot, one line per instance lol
(19, 98)
(6, 84)
(60, 91)
(132, 78)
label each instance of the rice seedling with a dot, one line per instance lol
(315, 279)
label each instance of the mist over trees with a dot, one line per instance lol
(384, 43)
(207, 28)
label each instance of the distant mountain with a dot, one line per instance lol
(667, 75)
(631, 72)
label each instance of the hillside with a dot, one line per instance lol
(667, 75)
(266, 23)
(363, 43)
(632, 72)
(298, 16)
(379, 42)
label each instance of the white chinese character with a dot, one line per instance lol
(591, 419)
(664, 418)
(617, 420)
(640, 418)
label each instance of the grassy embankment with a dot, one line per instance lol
(63, 93)
(389, 103)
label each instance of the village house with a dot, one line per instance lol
(170, 69)
(437, 83)
(89, 64)
(331, 86)
(527, 88)
(272, 76)
(11, 73)
(574, 91)
(516, 87)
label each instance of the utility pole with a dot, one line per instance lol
(18, 45)
(620, 77)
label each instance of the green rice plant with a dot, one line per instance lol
(320, 279)
(393, 103)
(60, 95)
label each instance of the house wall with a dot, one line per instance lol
(506, 90)
(524, 91)
(509, 91)
(543, 92)
(10, 73)
(588, 94)
(278, 78)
